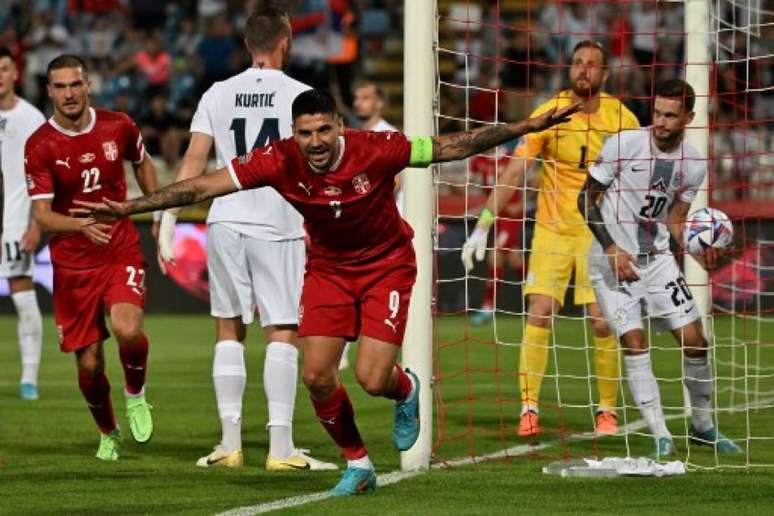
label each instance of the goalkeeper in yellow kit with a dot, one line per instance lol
(561, 240)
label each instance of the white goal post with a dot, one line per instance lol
(418, 120)
(697, 74)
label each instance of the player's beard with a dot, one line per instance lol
(668, 140)
(586, 92)
(73, 116)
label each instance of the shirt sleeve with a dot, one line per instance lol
(40, 184)
(394, 150)
(606, 166)
(201, 121)
(697, 170)
(135, 147)
(259, 167)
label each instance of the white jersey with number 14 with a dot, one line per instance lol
(644, 182)
(248, 111)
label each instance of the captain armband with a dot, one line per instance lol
(421, 151)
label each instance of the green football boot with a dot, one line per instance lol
(138, 411)
(109, 445)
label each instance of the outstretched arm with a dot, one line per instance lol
(461, 145)
(183, 193)
(53, 222)
(194, 162)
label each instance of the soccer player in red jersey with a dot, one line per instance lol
(360, 265)
(98, 268)
(508, 234)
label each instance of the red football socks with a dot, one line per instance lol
(96, 390)
(495, 274)
(134, 358)
(402, 385)
(338, 418)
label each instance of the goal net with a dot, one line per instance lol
(496, 61)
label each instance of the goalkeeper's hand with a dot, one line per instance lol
(166, 254)
(474, 245)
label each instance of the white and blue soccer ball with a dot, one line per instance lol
(705, 228)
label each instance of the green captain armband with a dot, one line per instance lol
(421, 151)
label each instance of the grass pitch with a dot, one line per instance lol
(47, 447)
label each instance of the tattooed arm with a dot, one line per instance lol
(460, 145)
(183, 193)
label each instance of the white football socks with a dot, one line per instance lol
(698, 380)
(30, 334)
(280, 377)
(644, 389)
(362, 463)
(229, 377)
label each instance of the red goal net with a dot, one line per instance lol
(497, 61)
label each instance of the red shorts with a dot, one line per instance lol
(370, 300)
(507, 235)
(82, 297)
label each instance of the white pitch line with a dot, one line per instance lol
(285, 503)
(397, 476)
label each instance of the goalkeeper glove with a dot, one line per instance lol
(474, 245)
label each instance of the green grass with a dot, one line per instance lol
(47, 447)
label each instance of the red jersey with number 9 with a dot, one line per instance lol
(349, 210)
(64, 166)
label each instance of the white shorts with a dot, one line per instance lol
(246, 272)
(661, 291)
(15, 263)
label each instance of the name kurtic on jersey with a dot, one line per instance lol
(252, 100)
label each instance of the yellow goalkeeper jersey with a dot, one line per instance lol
(566, 151)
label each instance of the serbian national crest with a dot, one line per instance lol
(111, 150)
(361, 183)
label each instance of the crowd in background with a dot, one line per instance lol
(153, 59)
(524, 62)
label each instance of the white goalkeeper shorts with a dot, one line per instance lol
(661, 293)
(247, 273)
(13, 262)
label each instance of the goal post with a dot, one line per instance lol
(418, 95)
(697, 74)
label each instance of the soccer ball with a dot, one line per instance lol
(705, 228)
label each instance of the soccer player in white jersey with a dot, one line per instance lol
(255, 245)
(636, 197)
(20, 233)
